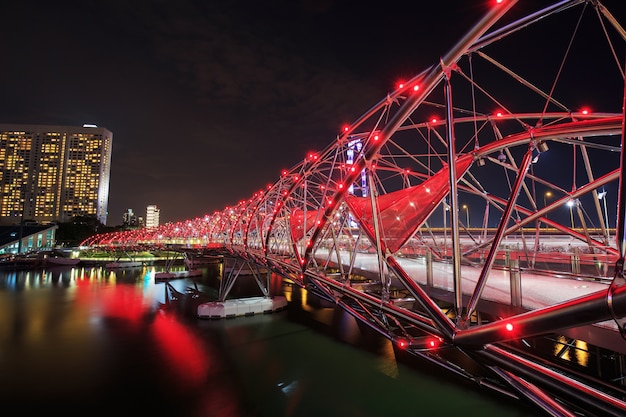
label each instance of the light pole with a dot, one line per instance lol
(466, 215)
(546, 196)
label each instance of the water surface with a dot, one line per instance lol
(87, 341)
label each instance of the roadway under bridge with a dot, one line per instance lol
(475, 215)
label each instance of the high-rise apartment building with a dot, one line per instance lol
(152, 217)
(53, 173)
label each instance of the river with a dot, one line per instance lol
(89, 341)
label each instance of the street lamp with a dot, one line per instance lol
(546, 196)
(466, 208)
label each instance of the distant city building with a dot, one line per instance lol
(128, 217)
(131, 221)
(53, 173)
(152, 217)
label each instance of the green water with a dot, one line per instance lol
(287, 369)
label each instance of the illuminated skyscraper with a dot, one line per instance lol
(152, 217)
(53, 173)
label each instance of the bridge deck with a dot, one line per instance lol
(537, 290)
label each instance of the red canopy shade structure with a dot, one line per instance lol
(402, 212)
(300, 224)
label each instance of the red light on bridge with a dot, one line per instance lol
(416, 87)
(402, 343)
(421, 343)
(433, 343)
(585, 111)
(509, 327)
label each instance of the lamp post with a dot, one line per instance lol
(466, 208)
(546, 196)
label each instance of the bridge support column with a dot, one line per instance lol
(575, 261)
(516, 282)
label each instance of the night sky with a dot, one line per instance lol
(209, 100)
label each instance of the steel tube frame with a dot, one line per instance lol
(482, 279)
(590, 309)
(427, 84)
(454, 201)
(552, 380)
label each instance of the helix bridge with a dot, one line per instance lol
(473, 216)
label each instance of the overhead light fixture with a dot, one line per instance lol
(542, 147)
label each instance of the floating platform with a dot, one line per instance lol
(241, 307)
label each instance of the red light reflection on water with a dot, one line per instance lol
(193, 367)
(123, 302)
(182, 350)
